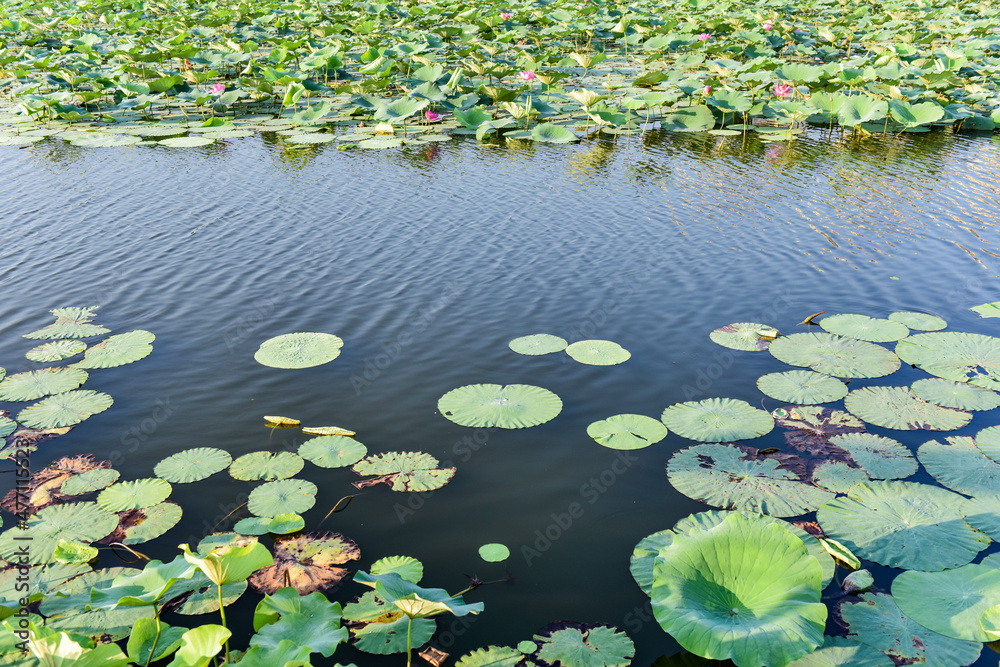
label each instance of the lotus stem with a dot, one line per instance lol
(409, 637)
(152, 650)
(222, 613)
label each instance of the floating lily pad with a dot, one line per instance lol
(736, 477)
(43, 488)
(193, 465)
(407, 567)
(56, 350)
(537, 344)
(142, 525)
(138, 494)
(879, 457)
(66, 409)
(501, 406)
(961, 466)
(286, 495)
(327, 430)
(961, 357)
(253, 525)
(802, 387)
(187, 142)
(960, 395)
(899, 408)
(286, 523)
(307, 563)
(31, 385)
(70, 323)
(987, 309)
(204, 598)
(492, 656)
(266, 466)
(299, 350)
(89, 481)
(902, 524)
(988, 442)
(835, 355)
(950, 602)
(838, 476)
(403, 471)
(118, 350)
(494, 553)
(918, 321)
(745, 336)
(7, 426)
(600, 646)
(627, 431)
(840, 652)
(332, 451)
(983, 513)
(76, 522)
(866, 328)
(598, 352)
(717, 420)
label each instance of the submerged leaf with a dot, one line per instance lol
(502, 406)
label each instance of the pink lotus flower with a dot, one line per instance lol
(506, 16)
(782, 90)
(527, 75)
(218, 89)
(431, 116)
(704, 37)
(708, 90)
(768, 25)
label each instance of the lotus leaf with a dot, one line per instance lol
(407, 567)
(192, 465)
(958, 395)
(70, 323)
(902, 524)
(598, 352)
(746, 336)
(745, 589)
(527, 647)
(859, 581)
(64, 610)
(961, 466)
(285, 523)
(381, 628)
(153, 640)
(306, 563)
(139, 494)
(491, 656)
(283, 421)
(802, 387)
(43, 487)
(627, 431)
(950, 602)
(493, 553)
(118, 350)
(266, 466)
(537, 344)
(286, 495)
(840, 652)
(311, 138)
(66, 409)
(962, 357)
(316, 633)
(644, 556)
(42, 580)
(866, 328)
(689, 119)
(56, 350)
(987, 309)
(502, 406)
(880, 457)
(142, 525)
(204, 595)
(31, 385)
(254, 525)
(332, 451)
(404, 471)
(899, 408)
(601, 646)
(717, 420)
(988, 441)
(76, 522)
(326, 430)
(88, 481)
(187, 142)
(7, 426)
(299, 350)
(983, 513)
(835, 355)
(918, 321)
(838, 476)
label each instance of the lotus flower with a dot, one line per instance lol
(768, 25)
(506, 15)
(431, 116)
(218, 89)
(527, 74)
(704, 37)
(782, 90)
(708, 90)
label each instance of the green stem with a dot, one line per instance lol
(222, 612)
(156, 615)
(409, 637)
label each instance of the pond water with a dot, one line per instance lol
(427, 261)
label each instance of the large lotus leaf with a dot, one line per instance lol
(838, 476)
(204, 595)
(918, 321)
(286, 495)
(879, 457)
(627, 431)
(961, 466)
(644, 557)
(601, 646)
(321, 635)
(491, 656)
(142, 525)
(902, 524)
(858, 109)
(913, 115)
(89, 481)
(41, 581)
(74, 522)
(289, 601)
(875, 620)
(537, 344)
(77, 594)
(332, 451)
(802, 387)
(950, 602)
(66, 409)
(746, 590)
(34, 384)
(899, 408)
(987, 309)
(56, 350)
(134, 495)
(299, 350)
(835, 355)
(307, 563)
(598, 352)
(399, 110)
(988, 441)
(717, 420)
(70, 323)
(962, 357)
(866, 328)
(381, 628)
(689, 119)
(960, 395)
(983, 513)
(840, 652)
(153, 640)
(737, 477)
(746, 336)
(404, 471)
(501, 406)
(118, 350)
(65, 610)
(551, 133)
(407, 567)
(266, 466)
(193, 465)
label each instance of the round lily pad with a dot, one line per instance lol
(745, 336)
(951, 602)
(600, 646)
(137, 494)
(918, 321)
(866, 328)
(627, 431)
(192, 465)
(983, 513)
(7, 426)
(404, 471)
(34, 384)
(56, 350)
(299, 350)
(537, 344)
(961, 466)
(961, 357)
(527, 647)
(253, 525)
(598, 352)
(332, 451)
(835, 355)
(86, 482)
(899, 408)
(74, 522)
(70, 323)
(286, 495)
(66, 409)
(802, 387)
(187, 142)
(266, 466)
(151, 522)
(902, 524)
(838, 476)
(407, 567)
(501, 406)
(960, 395)
(118, 350)
(717, 420)
(285, 523)
(878, 456)
(840, 652)
(494, 553)
(311, 138)
(988, 442)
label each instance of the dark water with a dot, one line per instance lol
(427, 262)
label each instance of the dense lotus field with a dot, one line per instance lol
(370, 75)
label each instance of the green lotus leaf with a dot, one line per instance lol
(644, 556)
(866, 328)
(285, 523)
(380, 143)
(70, 323)
(381, 628)
(958, 395)
(859, 581)
(962, 357)
(902, 524)
(286, 495)
(951, 602)
(737, 477)
(254, 525)
(141, 526)
(879, 457)
(501, 406)
(56, 350)
(526, 647)
(66, 409)
(311, 138)
(204, 595)
(838, 476)
(491, 656)
(231, 561)
(103, 140)
(802, 387)
(914, 115)
(138, 494)
(601, 646)
(598, 352)
(200, 645)
(76, 522)
(746, 336)
(961, 466)
(729, 101)
(988, 441)
(835, 355)
(42, 580)
(550, 133)
(858, 109)
(153, 640)
(223, 542)
(689, 119)
(332, 451)
(990, 621)
(494, 553)
(987, 309)
(840, 652)
(537, 344)
(320, 635)
(408, 568)
(918, 321)
(65, 610)
(717, 420)
(404, 471)
(118, 350)
(7, 426)
(627, 431)
(31, 385)
(267, 466)
(288, 601)
(746, 590)
(187, 142)
(983, 513)
(74, 553)
(899, 408)
(299, 350)
(399, 110)
(306, 562)
(193, 465)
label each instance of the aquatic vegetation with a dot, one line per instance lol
(537, 344)
(717, 420)
(802, 387)
(192, 465)
(118, 350)
(494, 553)
(899, 408)
(503, 406)
(403, 471)
(747, 336)
(598, 352)
(299, 350)
(835, 355)
(627, 431)
(332, 451)
(64, 409)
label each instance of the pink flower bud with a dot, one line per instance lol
(708, 90)
(768, 25)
